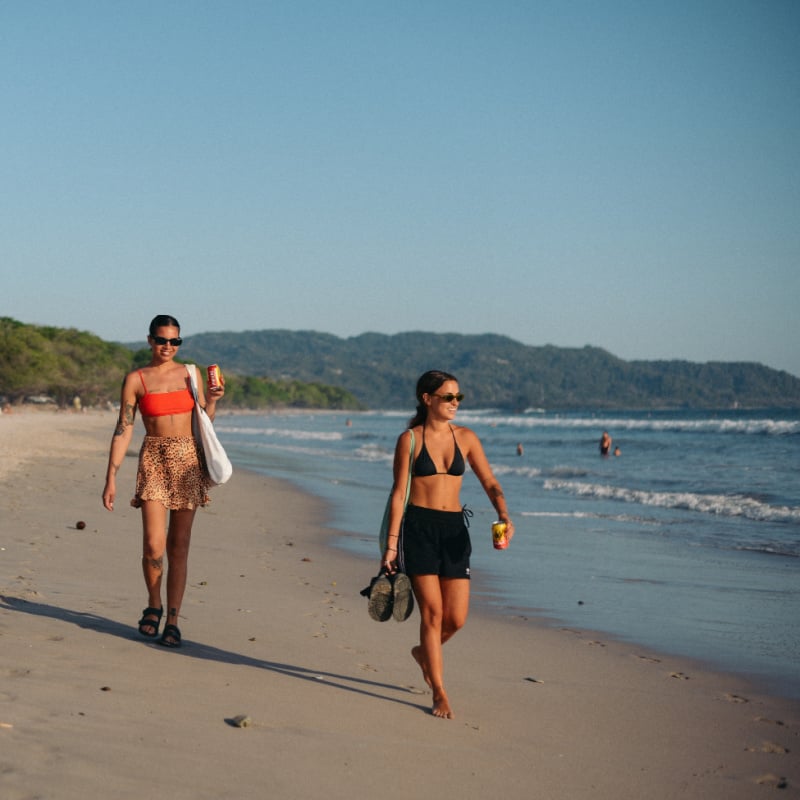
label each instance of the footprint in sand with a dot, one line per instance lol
(768, 747)
(681, 676)
(775, 781)
(736, 698)
(650, 659)
(770, 721)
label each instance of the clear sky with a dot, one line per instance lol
(620, 174)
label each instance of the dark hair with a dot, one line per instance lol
(428, 383)
(163, 321)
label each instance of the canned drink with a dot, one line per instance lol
(499, 539)
(213, 376)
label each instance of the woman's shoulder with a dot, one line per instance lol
(462, 430)
(464, 435)
(406, 435)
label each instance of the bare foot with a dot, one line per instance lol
(418, 657)
(441, 705)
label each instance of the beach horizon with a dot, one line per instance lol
(285, 681)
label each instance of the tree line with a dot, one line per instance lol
(60, 364)
(307, 369)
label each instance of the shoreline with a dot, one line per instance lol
(491, 611)
(275, 629)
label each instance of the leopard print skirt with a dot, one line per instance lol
(172, 471)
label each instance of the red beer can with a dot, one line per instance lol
(499, 539)
(213, 376)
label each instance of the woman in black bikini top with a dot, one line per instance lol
(428, 540)
(424, 466)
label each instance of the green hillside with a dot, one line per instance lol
(59, 364)
(494, 371)
(305, 369)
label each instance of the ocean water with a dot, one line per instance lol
(687, 543)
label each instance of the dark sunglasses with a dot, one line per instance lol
(448, 398)
(161, 340)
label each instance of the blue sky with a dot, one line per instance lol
(620, 174)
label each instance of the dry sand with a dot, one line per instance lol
(275, 629)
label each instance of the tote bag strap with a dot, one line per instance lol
(192, 370)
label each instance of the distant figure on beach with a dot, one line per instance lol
(519, 448)
(171, 481)
(430, 542)
(605, 444)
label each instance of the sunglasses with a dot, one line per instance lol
(162, 341)
(448, 398)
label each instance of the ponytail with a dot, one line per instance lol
(420, 417)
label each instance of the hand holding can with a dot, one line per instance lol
(499, 539)
(214, 376)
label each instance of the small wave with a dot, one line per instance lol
(627, 518)
(772, 550)
(291, 447)
(717, 504)
(766, 427)
(536, 472)
(286, 433)
(373, 452)
(523, 472)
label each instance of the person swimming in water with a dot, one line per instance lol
(605, 444)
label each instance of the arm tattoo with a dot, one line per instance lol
(126, 418)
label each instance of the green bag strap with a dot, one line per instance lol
(410, 469)
(383, 534)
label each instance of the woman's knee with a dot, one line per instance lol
(452, 624)
(431, 615)
(177, 548)
(153, 548)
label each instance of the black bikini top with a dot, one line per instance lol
(424, 466)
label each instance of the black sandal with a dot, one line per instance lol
(150, 623)
(171, 636)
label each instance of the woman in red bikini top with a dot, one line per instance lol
(166, 404)
(171, 481)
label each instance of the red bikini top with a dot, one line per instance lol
(162, 404)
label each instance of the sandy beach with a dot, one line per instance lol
(275, 630)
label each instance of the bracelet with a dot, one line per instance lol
(391, 548)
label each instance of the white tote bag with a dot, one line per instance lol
(217, 461)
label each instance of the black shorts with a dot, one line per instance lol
(435, 543)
